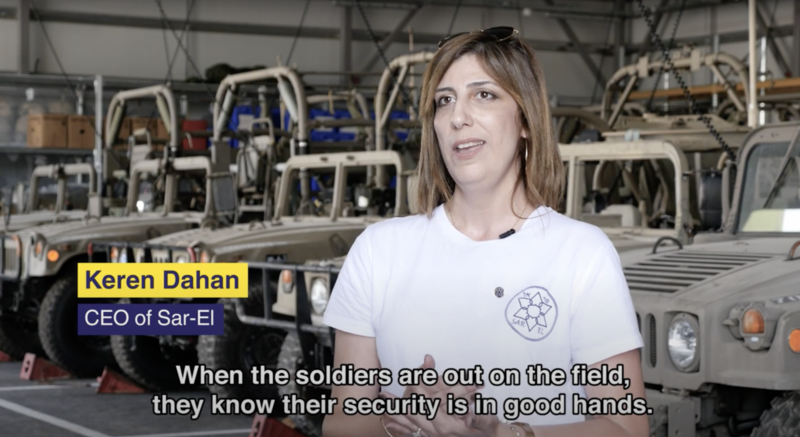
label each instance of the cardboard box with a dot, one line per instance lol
(47, 130)
(80, 132)
(156, 126)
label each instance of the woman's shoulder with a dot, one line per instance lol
(570, 229)
(398, 226)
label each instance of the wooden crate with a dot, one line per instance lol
(47, 130)
(80, 132)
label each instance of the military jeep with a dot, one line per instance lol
(39, 295)
(327, 230)
(721, 319)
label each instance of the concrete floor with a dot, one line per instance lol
(72, 408)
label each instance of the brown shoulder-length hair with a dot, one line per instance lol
(512, 63)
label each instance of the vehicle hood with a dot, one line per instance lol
(234, 238)
(18, 222)
(106, 227)
(741, 270)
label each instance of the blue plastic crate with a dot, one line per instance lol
(317, 135)
(314, 185)
(341, 113)
(238, 111)
(345, 136)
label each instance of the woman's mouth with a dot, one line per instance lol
(469, 145)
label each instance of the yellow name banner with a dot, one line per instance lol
(170, 280)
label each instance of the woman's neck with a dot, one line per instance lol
(484, 215)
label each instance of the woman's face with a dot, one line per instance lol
(477, 125)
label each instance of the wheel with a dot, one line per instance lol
(291, 359)
(83, 356)
(19, 335)
(242, 347)
(152, 364)
(782, 419)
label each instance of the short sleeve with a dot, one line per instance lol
(350, 305)
(603, 320)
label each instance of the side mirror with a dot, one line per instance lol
(223, 191)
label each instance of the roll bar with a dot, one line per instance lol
(226, 96)
(384, 103)
(644, 68)
(165, 101)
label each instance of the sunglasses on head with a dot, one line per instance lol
(500, 33)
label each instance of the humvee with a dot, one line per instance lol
(167, 194)
(721, 319)
(69, 204)
(289, 237)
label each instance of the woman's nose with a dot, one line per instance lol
(460, 116)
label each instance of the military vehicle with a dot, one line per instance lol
(70, 201)
(288, 237)
(721, 319)
(167, 194)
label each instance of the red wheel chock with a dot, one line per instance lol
(4, 357)
(39, 369)
(113, 382)
(268, 427)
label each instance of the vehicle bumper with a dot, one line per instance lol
(678, 414)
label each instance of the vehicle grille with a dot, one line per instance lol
(10, 256)
(671, 272)
(160, 256)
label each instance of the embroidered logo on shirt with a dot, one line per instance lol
(532, 313)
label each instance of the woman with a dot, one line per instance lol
(490, 274)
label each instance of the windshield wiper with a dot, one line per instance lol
(787, 158)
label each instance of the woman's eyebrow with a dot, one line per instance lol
(469, 85)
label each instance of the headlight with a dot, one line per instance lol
(319, 295)
(682, 342)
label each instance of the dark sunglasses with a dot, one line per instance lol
(500, 33)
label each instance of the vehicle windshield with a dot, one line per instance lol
(770, 199)
(612, 194)
(77, 196)
(190, 193)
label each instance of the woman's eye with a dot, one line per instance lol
(443, 101)
(485, 95)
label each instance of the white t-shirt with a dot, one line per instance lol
(552, 294)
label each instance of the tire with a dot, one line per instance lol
(240, 348)
(782, 419)
(149, 364)
(83, 356)
(19, 335)
(291, 359)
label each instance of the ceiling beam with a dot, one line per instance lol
(276, 30)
